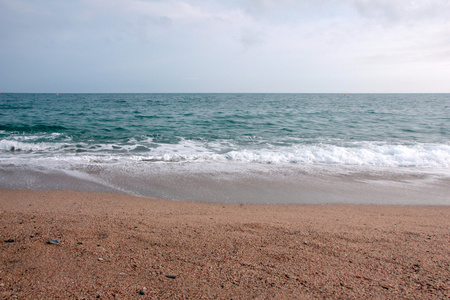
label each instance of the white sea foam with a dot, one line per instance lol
(14, 145)
(368, 154)
(358, 153)
(361, 154)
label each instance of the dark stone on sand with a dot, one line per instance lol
(141, 292)
(53, 242)
(9, 241)
(171, 276)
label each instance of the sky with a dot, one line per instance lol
(268, 46)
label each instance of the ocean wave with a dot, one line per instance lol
(367, 154)
(32, 144)
(19, 146)
(361, 154)
(337, 153)
(34, 128)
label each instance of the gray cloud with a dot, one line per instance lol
(137, 45)
(403, 10)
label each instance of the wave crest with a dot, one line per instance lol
(357, 153)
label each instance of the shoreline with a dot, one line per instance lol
(117, 245)
(263, 184)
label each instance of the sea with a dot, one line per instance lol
(389, 149)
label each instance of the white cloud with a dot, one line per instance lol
(408, 11)
(276, 44)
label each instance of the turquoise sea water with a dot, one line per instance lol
(227, 147)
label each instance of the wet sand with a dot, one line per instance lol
(124, 247)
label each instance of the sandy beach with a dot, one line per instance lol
(115, 246)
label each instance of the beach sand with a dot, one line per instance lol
(125, 247)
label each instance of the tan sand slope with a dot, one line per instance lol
(124, 247)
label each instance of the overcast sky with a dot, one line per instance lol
(300, 46)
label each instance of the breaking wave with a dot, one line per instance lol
(356, 153)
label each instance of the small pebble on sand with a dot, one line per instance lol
(53, 242)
